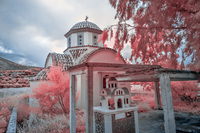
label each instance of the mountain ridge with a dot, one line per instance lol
(6, 64)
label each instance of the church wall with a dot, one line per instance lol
(108, 55)
(73, 39)
(32, 101)
(49, 62)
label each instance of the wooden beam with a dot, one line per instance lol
(137, 78)
(72, 105)
(157, 95)
(167, 102)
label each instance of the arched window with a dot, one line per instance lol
(112, 85)
(127, 100)
(104, 82)
(119, 103)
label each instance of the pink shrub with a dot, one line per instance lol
(54, 92)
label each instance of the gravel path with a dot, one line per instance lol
(153, 122)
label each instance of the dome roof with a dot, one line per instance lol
(85, 24)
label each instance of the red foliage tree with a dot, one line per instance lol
(158, 30)
(53, 95)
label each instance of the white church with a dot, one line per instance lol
(83, 47)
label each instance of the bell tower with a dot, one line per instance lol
(83, 34)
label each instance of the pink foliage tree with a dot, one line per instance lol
(53, 95)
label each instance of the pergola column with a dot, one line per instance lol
(157, 95)
(167, 102)
(89, 100)
(72, 105)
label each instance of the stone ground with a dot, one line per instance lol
(153, 122)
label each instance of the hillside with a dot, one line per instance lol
(9, 65)
(13, 75)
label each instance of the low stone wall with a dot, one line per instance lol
(12, 126)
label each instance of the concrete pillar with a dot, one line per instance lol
(136, 121)
(167, 102)
(89, 100)
(157, 95)
(72, 105)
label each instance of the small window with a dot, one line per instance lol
(69, 42)
(104, 82)
(117, 92)
(108, 103)
(115, 85)
(126, 100)
(100, 104)
(112, 85)
(95, 38)
(80, 39)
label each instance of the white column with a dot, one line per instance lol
(167, 102)
(157, 95)
(136, 121)
(72, 105)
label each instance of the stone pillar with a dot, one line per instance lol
(157, 95)
(12, 125)
(89, 100)
(72, 105)
(167, 102)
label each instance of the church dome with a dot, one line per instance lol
(85, 24)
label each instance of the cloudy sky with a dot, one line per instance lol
(30, 29)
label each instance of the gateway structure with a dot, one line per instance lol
(98, 74)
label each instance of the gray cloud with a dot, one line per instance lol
(33, 28)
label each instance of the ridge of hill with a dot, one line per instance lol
(9, 65)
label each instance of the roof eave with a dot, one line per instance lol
(83, 30)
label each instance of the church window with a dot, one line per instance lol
(69, 42)
(95, 38)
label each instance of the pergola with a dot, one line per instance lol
(133, 73)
